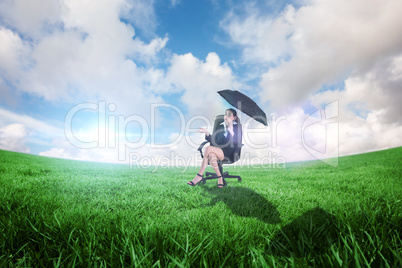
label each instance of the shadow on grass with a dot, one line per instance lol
(312, 233)
(245, 203)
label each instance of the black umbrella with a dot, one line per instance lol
(244, 104)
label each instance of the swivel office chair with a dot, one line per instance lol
(218, 126)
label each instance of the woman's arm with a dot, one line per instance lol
(220, 138)
(203, 130)
(207, 135)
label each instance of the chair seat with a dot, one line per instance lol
(227, 161)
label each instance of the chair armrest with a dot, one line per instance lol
(200, 148)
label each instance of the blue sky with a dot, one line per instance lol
(160, 64)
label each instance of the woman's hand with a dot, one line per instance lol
(203, 130)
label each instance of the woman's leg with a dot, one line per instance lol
(210, 149)
(197, 178)
(215, 154)
(213, 161)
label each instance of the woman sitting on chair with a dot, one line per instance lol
(226, 142)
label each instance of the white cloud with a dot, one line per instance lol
(58, 153)
(200, 81)
(86, 52)
(34, 125)
(16, 128)
(370, 109)
(63, 149)
(263, 38)
(83, 52)
(10, 49)
(13, 138)
(31, 17)
(325, 43)
(317, 44)
(141, 14)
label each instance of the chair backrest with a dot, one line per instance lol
(218, 127)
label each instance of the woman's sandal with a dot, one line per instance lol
(191, 183)
(221, 185)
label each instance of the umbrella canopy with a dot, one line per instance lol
(244, 104)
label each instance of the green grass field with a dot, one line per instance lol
(65, 213)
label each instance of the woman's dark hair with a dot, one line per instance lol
(233, 111)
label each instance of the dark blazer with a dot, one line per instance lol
(225, 140)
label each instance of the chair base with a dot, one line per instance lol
(225, 175)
